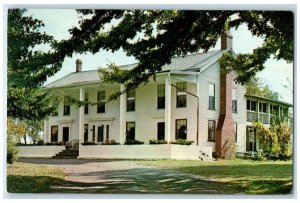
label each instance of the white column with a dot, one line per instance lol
(168, 108)
(269, 113)
(46, 131)
(122, 115)
(81, 117)
(257, 110)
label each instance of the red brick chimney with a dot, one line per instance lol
(225, 133)
(78, 65)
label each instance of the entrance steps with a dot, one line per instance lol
(67, 154)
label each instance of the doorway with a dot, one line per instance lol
(100, 137)
(250, 139)
(65, 134)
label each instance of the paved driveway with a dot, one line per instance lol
(126, 177)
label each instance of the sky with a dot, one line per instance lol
(277, 74)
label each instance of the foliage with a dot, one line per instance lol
(133, 142)
(12, 150)
(110, 142)
(154, 141)
(33, 128)
(256, 87)
(28, 67)
(55, 143)
(276, 138)
(183, 142)
(153, 37)
(88, 143)
(228, 149)
(15, 129)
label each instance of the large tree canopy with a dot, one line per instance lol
(28, 67)
(153, 37)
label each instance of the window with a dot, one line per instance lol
(66, 109)
(234, 101)
(181, 94)
(86, 106)
(181, 129)
(263, 107)
(54, 133)
(161, 96)
(161, 130)
(131, 100)
(251, 105)
(101, 102)
(86, 132)
(235, 130)
(211, 130)
(130, 131)
(211, 96)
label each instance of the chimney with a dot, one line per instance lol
(78, 65)
(226, 41)
(225, 133)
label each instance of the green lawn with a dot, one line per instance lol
(248, 177)
(32, 178)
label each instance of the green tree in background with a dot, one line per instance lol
(28, 67)
(257, 88)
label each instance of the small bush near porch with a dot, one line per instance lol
(245, 176)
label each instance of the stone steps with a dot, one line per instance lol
(67, 154)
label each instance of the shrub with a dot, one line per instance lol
(154, 141)
(88, 143)
(183, 142)
(12, 150)
(130, 142)
(110, 142)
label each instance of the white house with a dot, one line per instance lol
(190, 99)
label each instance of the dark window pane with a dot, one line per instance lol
(253, 105)
(86, 106)
(161, 96)
(211, 130)
(54, 133)
(181, 94)
(86, 132)
(101, 99)
(55, 112)
(131, 100)
(66, 109)
(248, 105)
(130, 131)
(161, 131)
(211, 103)
(181, 129)
(234, 106)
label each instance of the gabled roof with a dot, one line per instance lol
(186, 63)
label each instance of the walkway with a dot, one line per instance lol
(126, 177)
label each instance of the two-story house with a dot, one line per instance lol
(190, 99)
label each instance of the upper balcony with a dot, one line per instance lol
(265, 110)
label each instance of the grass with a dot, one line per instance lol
(33, 178)
(247, 177)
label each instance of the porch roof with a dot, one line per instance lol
(268, 99)
(193, 62)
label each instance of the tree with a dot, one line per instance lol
(28, 67)
(15, 130)
(33, 129)
(276, 139)
(256, 87)
(153, 37)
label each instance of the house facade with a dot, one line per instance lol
(190, 100)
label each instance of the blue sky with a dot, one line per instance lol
(58, 21)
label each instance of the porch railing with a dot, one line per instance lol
(264, 118)
(251, 116)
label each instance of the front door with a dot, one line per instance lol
(65, 134)
(100, 133)
(251, 139)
